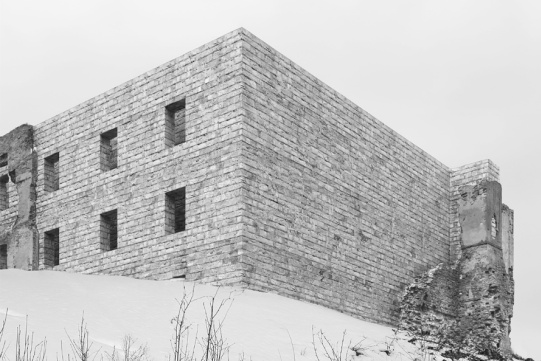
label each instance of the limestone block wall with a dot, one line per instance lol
(341, 210)
(132, 129)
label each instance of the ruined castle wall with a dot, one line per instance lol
(341, 210)
(430, 304)
(469, 174)
(18, 233)
(485, 289)
(148, 166)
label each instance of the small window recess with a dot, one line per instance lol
(51, 248)
(175, 211)
(109, 150)
(109, 231)
(4, 192)
(494, 227)
(175, 123)
(52, 172)
(3, 256)
(3, 160)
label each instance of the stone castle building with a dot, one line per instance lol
(232, 165)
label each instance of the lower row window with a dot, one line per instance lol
(51, 248)
(109, 230)
(3, 256)
(175, 221)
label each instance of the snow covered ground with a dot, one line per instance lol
(262, 326)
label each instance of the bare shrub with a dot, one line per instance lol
(131, 351)
(25, 350)
(185, 336)
(328, 350)
(213, 343)
(80, 346)
(3, 348)
(182, 349)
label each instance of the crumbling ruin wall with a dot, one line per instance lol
(18, 232)
(481, 276)
(430, 303)
(485, 287)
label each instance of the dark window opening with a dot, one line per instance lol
(52, 173)
(3, 256)
(4, 193)
(51, 248)
(175, 123)
(3, 160)
(109, 150)
(109, 231)
(175, 211)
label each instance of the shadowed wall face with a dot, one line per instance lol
(340, 209)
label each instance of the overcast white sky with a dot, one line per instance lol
(461, 79)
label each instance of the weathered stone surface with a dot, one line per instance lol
(431, 301)
(18, 231)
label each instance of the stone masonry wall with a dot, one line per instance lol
(149, 166)
(341, 210)
(232, 165)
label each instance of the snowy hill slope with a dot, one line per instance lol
(260, 325)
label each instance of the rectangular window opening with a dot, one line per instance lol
(175, 211)
(109, 150)
(3, 256)
(52, 173)
(109, 231)
(51, 248)
(175, 123)
(4, 193)
(3, 160)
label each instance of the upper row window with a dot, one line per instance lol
(175, 134)
(52, 172)
(109, 150)
(175, 123)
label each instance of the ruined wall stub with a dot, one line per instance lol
(485, 288)
(478, 281)
(18, 232)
